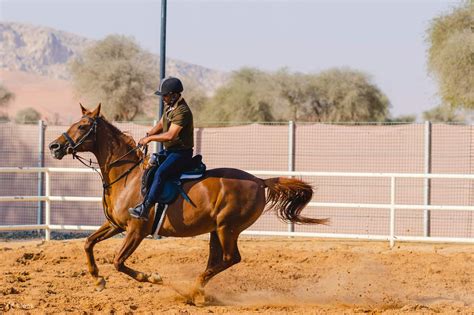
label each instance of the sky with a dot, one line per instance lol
(385, 39)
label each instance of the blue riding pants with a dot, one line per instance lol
(174, 164)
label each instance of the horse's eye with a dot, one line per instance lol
(81, 127)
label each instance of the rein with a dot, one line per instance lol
(73, 146)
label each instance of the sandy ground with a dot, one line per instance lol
(285, 276)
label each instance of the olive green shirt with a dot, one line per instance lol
(180, 115)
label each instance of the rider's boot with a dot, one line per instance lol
(141, 211)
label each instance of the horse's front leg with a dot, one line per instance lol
(104, 232)
(131, 242)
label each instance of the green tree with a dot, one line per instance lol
(194, 94)
(402, 119)
(332, 96)
(445, 113)
(451, 57)
(344, 95)
(5, 96)
(245, 98)
(290, 94)
(117, 73)
(27, 116)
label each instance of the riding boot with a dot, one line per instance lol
(141, 211)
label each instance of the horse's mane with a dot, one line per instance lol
(124, 135)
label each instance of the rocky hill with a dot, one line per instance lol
(45, 51)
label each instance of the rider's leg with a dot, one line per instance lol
(173, 165)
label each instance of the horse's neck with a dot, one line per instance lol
(111, 146)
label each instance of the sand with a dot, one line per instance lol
(276, 276)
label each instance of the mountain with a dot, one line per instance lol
(38, 50)
(34, 66)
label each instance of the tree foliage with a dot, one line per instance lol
(402, 119)
(445, 113)
(343, 95)
(27, 116)
(5, 96)
(335, 95)
(243, 99)
(117, 73)
(450, 55)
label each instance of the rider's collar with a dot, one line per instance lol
(171, 107)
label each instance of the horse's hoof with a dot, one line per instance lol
(198, 296)
(199, 300)
(155, 279)
(100, 284)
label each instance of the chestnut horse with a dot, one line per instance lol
(226, 200)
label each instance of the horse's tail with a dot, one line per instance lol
(288, 196)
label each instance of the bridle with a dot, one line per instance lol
(72, 145)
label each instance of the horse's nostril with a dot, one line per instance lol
(54, 146)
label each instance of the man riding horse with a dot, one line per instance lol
(176, 131)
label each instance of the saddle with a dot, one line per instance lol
(173, 186)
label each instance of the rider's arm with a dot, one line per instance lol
(171, 134)
(157, 128)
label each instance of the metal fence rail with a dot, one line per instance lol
(392, 206)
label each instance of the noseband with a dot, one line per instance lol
(72, 145)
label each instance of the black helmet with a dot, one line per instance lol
(170, 85)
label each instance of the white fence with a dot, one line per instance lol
(392, 207)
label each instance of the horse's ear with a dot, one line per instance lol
(84, 111)
(96, 111)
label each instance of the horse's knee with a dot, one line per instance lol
(88, 245)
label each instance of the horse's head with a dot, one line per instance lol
(80, 137)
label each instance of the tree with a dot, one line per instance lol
(332, 96)
(344, 95)
(5, 96)
(245, 98)
(117, 73)
(450, 57)
(27, 116)
(445, 113)
(401, 119)
(290, 95)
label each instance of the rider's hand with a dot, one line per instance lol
(143, 141)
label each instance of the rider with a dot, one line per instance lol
(176, 131)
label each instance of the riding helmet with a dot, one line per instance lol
(170, 85)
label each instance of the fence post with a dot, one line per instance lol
(392, 211)
(291, 158)
(41, 133)
(47, 217)
(427, 181)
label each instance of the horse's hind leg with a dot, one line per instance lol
(104, 232)
(131, 242)
(224, 253)
(215, 251)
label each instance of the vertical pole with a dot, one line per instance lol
(427, 181)
(154, 143)
(41, 131)
(162, 59)
(47, 216)
(291, 158)
(392, 211)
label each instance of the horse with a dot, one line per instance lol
(225, 201)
